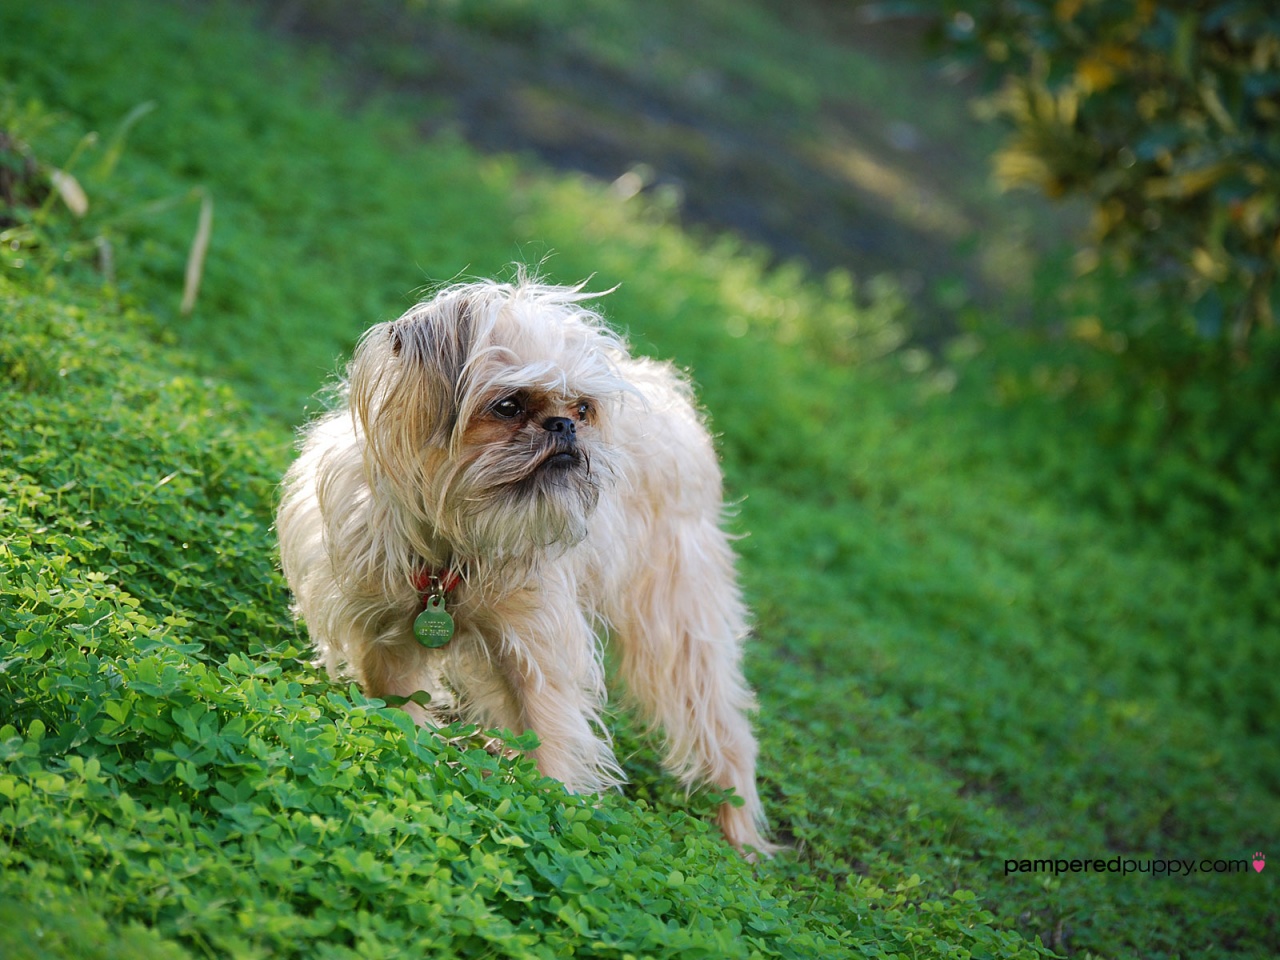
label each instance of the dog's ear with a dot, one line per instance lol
(405, 381)
(437, 332)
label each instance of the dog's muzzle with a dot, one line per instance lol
(561, 427)
(563, 449)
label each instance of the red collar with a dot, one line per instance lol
(432, 582)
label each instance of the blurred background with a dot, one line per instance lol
(835, 135)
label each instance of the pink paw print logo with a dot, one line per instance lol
(1259, 861)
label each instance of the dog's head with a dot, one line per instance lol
(485, 412)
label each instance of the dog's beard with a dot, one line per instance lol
(501, 505)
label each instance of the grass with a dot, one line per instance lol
(959, 664)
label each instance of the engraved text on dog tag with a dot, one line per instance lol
(433, 626)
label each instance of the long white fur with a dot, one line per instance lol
(630, 543)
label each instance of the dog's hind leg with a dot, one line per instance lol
(680, 629)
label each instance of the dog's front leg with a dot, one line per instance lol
(550, 662)
(398, 668)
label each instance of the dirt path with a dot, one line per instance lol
(855, 184)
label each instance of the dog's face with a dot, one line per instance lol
(486, 414)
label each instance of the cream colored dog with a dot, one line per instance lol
(504, 481)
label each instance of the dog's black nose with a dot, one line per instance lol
(560, 425)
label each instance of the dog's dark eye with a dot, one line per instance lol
(508, 408)
(584, 409)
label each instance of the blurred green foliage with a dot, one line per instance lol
(1160, 339)
(1166, 434)
(1166, 116)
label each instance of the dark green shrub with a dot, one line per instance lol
(1166, 117)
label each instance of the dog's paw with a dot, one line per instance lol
(740, 829)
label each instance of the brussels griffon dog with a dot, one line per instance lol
(502, 482)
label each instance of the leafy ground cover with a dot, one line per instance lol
(961, 660)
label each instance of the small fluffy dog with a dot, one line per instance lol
(503, 481)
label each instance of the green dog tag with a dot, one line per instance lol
(433, 626)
